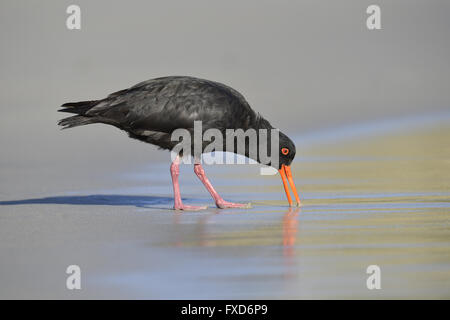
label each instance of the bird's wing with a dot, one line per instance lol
(166, 104)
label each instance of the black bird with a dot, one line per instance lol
(152, 110)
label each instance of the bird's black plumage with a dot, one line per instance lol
(151, 110)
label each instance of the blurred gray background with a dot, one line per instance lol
(305, 65)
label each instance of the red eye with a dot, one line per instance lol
(285, 151)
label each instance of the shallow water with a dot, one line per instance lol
(368, 199)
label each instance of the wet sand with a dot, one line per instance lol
(369, 197)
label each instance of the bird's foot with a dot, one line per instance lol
(225, 204)
(185, 207)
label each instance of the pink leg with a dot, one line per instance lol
(178, 204)
(220, 203)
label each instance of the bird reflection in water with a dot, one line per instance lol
(289, 234)
(290, 228)
(204, 237)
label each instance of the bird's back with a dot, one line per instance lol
(169, 103)
(153, 109)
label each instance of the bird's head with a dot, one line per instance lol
(286, 155)
(286, 152)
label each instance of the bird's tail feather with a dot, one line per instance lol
(80, 107)
(75, 121)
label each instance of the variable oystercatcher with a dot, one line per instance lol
(152, 110)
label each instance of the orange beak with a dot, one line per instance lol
(286, 176)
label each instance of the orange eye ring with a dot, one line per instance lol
(285, 151)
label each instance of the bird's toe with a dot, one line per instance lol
(190, 208)
(226, 204)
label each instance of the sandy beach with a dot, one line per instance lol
(369, 197)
